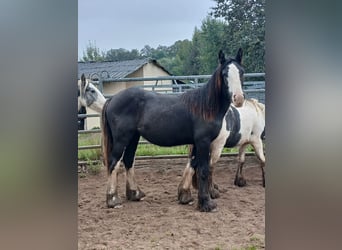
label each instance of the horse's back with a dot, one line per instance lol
(160, 118)
(164, 120)
(252, 120)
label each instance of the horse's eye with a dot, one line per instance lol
(92, 91)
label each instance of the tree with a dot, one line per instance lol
(212, 40)
(245, 28)
(121, 55)
(92, 53)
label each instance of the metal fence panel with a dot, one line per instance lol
(252, 89)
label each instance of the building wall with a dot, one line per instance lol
(151, 70)
(91, 122)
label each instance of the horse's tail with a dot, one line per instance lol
(107, 141)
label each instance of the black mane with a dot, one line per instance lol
(206, 101)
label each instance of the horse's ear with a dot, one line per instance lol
(239, 56)
(83, 80)
(222, 57)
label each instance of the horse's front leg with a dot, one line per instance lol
(205, 203)
(213, 187)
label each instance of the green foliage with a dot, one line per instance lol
(94, 169)
(122, 55)
(211, 38)
(93, 54)
(245, 28)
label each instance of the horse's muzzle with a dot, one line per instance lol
(238, 100)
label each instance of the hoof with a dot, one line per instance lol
(240, 182)
(184, 196)
(113, 201)
(207, 206)
(214, 192)
(134, 195)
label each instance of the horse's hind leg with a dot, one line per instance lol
(239, 179)
(113, 199)
(133, 192)
(259, 151)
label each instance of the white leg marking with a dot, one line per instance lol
(187, 176)
(131, 179)
(112, 186)
(259, 150)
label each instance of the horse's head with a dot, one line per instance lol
(232, 73)
(89, 96)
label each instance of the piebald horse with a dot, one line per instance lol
(243, 126)
(194, 117)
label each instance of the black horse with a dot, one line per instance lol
(194, 117)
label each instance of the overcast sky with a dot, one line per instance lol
(132, 24)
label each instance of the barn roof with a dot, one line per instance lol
(116, 70)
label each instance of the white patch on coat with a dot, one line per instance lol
(187, 176)
(234, 84)
(218, 144)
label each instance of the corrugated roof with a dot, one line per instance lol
(116, 70)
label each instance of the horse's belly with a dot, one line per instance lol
(167, 133)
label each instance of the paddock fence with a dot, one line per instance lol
(253, 87)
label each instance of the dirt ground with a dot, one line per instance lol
(159, 222)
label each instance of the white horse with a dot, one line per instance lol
(243, 126)
(89, 96)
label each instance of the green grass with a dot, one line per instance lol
(86, 140)
(142, 150)
(153, 150)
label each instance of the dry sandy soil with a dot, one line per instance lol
(159, 222)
